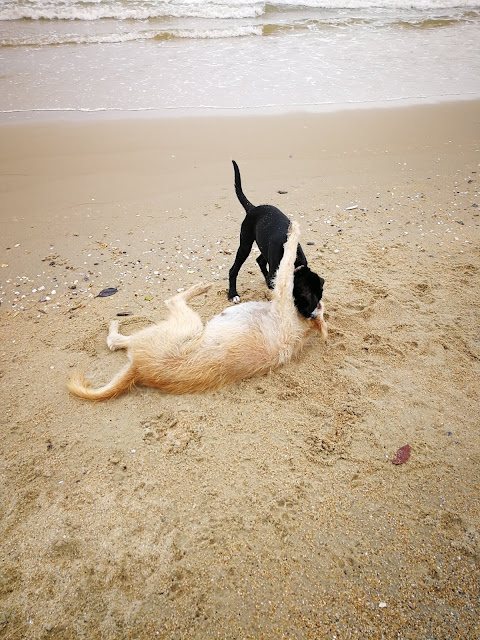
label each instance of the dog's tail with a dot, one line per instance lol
(123, 381)
(246, 204)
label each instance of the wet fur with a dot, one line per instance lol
(268, 227)
(180, 355)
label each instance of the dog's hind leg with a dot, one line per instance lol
(180, 300)
(196, 290)
(115, 340)
(262, 263)
(186, 320)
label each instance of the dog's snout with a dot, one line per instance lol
(318, 312)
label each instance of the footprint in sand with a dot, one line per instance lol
(172, 433)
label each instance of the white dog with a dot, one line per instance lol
(180, 355)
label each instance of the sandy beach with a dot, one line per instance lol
(270, 508)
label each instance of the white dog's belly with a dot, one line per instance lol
(241, 320)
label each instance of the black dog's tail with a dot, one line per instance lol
(246, 204)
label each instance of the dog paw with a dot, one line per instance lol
(111, 344)
(235, 299)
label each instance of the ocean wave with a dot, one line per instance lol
(275, 5)
(41, 39)
(55, 39)
(89, 10)
(140, 10)
(273, 29)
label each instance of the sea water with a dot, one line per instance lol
(195, 56)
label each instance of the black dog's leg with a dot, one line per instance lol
(243, 252)
(262, 263)
(270, 279)
(274, 259)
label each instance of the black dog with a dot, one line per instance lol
(268, 227)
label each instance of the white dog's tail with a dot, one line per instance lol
(123, 381)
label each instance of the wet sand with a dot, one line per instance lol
(270, 508)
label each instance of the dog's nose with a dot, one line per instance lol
(318, 311)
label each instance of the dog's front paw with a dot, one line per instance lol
(235, 299)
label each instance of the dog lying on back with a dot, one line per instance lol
(268, 227)
(180, 355)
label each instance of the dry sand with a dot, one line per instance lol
(270, 508)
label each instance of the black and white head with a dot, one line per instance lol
(307, 291)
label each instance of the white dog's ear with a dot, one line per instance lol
(298, 268)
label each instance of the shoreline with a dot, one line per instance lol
(107, 114)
